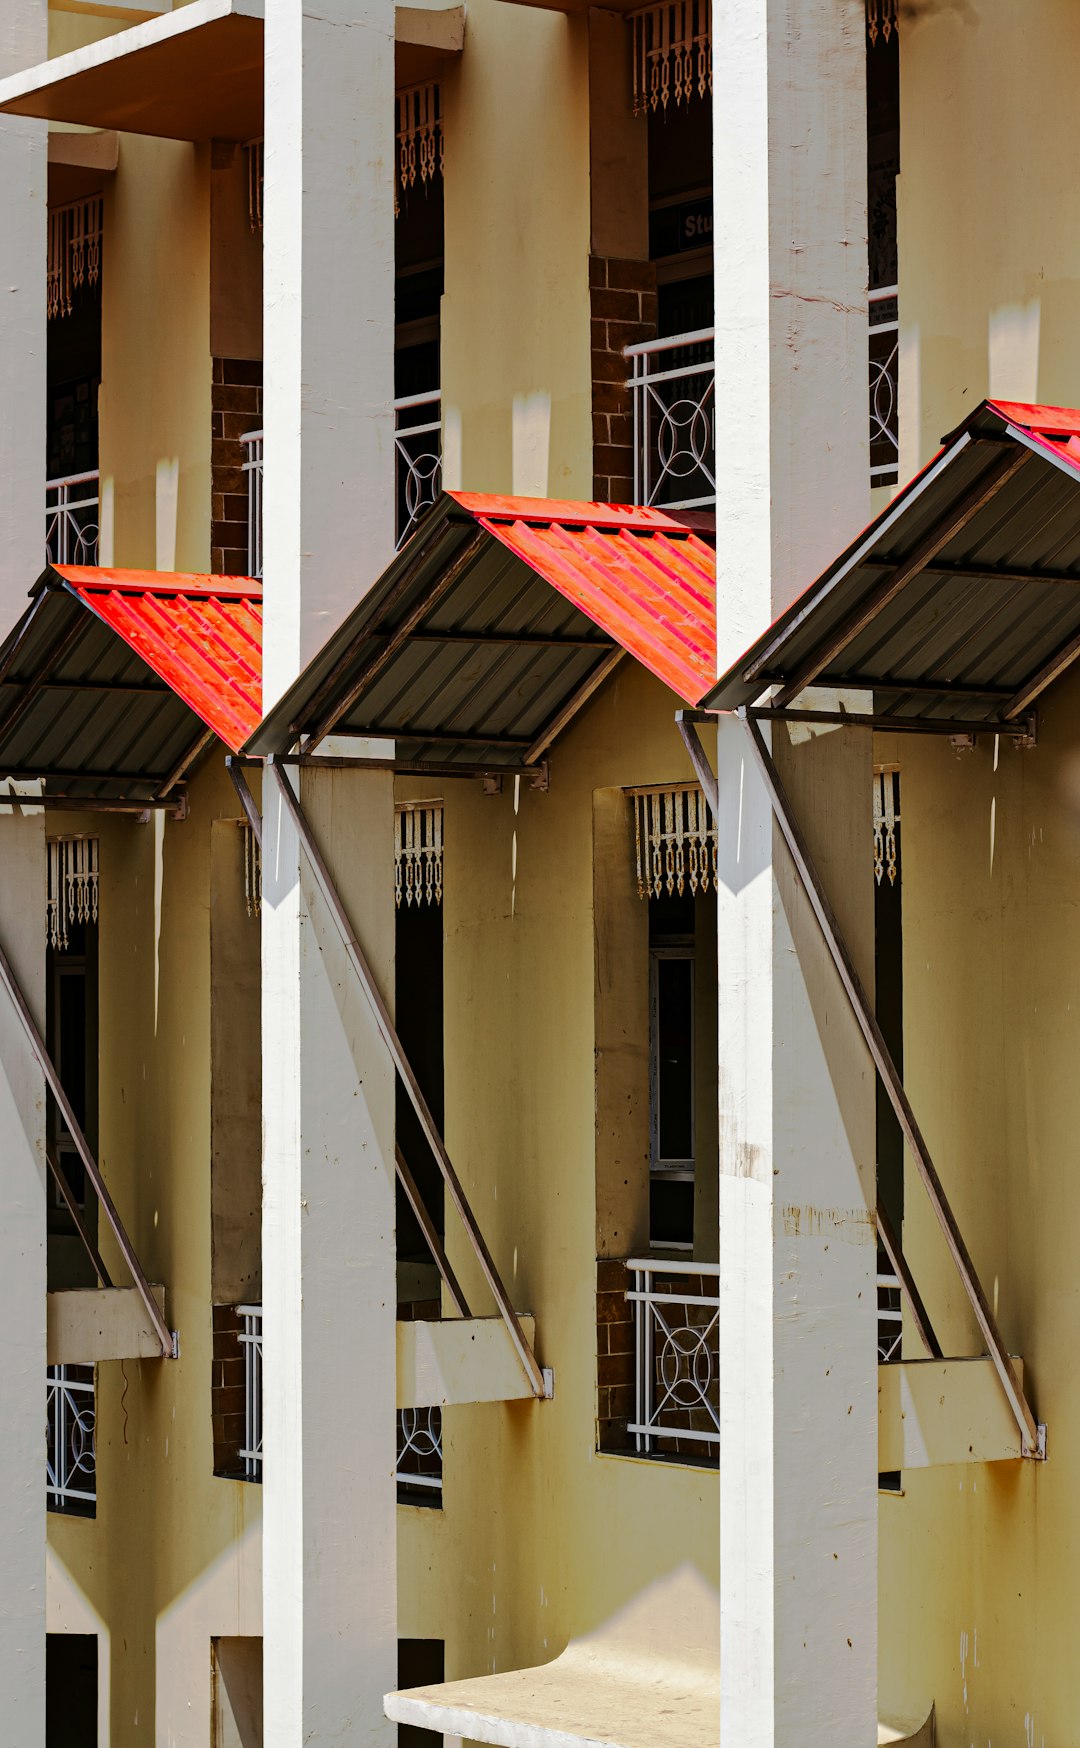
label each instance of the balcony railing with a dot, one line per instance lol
(419, 1450)
(250, 1338)
(884, 381)
(417, 470)
(70, 1458)
(253, 467)
(674, 394)
(417, 458)
(72, 519)
(890, 1319)
(676, 1357)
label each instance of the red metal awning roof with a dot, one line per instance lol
(111, 680)
(202, 635)
(958, 606)
(496, 623)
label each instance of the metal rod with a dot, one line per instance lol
(431, 1237)
(899, 724)
(408, 1079)
(90, 1166)
(895, 1254)
(946, 528)
(75, 1211)
(894, 1087)
(1062, 658)
(569, 710)
(185, 762)
(87, 804)
(698, 758)
(247, 799)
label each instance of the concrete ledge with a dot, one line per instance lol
(462, 1359)
(107, 1323)
(933, 1412)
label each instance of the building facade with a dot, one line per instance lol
(379, 385)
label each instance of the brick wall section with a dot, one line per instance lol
(623, 300)
(227, 1392)
(237, 408)
(614, 1356)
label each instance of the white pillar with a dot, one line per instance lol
(797, 1249)
(329, 1497)
(23, 190)
(22, 1292)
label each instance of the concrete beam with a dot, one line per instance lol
(467, 1359)
(90, 1324)
(933, 1412)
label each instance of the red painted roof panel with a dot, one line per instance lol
(202, 635)
(645, 577)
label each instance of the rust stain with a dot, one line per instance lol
(850, 1225)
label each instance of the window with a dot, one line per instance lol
(71, 1690)
(672, 1078)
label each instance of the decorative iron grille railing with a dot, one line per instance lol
(884, 387)
(251, 1452)
(419, 1449)
(677, 1353)
(72, 519)
(71, 1458)
(674, 396)
(253, 467)
(417, 458)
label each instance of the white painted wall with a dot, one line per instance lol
(798, 1399)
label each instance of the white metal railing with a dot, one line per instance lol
(417, 458)
(419, 1448)
(884, 385)
(250, 1338)
(72, 519)
(676, 1353)
(253, 467)
(70, 1457)
(890, 1319)
(674, 394)
(417, 470)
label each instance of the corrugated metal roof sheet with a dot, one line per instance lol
(497, 618)
(111, 678)
(960, 601)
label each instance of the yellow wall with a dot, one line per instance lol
(539, 1537)
(173, 1555)
(516, 376)
(989, 250)
(977, 1564)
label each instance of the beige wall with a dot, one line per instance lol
(540, 1537)
(155, 412)
(989, 247)
(977, 1569)
(517, 412)
(172, 1557)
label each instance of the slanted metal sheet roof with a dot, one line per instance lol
(961, 601)
(111, 679)
(491, 626)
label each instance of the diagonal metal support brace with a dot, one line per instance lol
(685, 721)
(537, 1382)
(166, 1336)
(1033, 1436)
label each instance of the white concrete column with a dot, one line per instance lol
(22, 1292)
(797, 1345)
(330, 1608)
(23, 191)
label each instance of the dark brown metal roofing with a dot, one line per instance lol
(113, 681)
(961, 601)
(496, 623)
